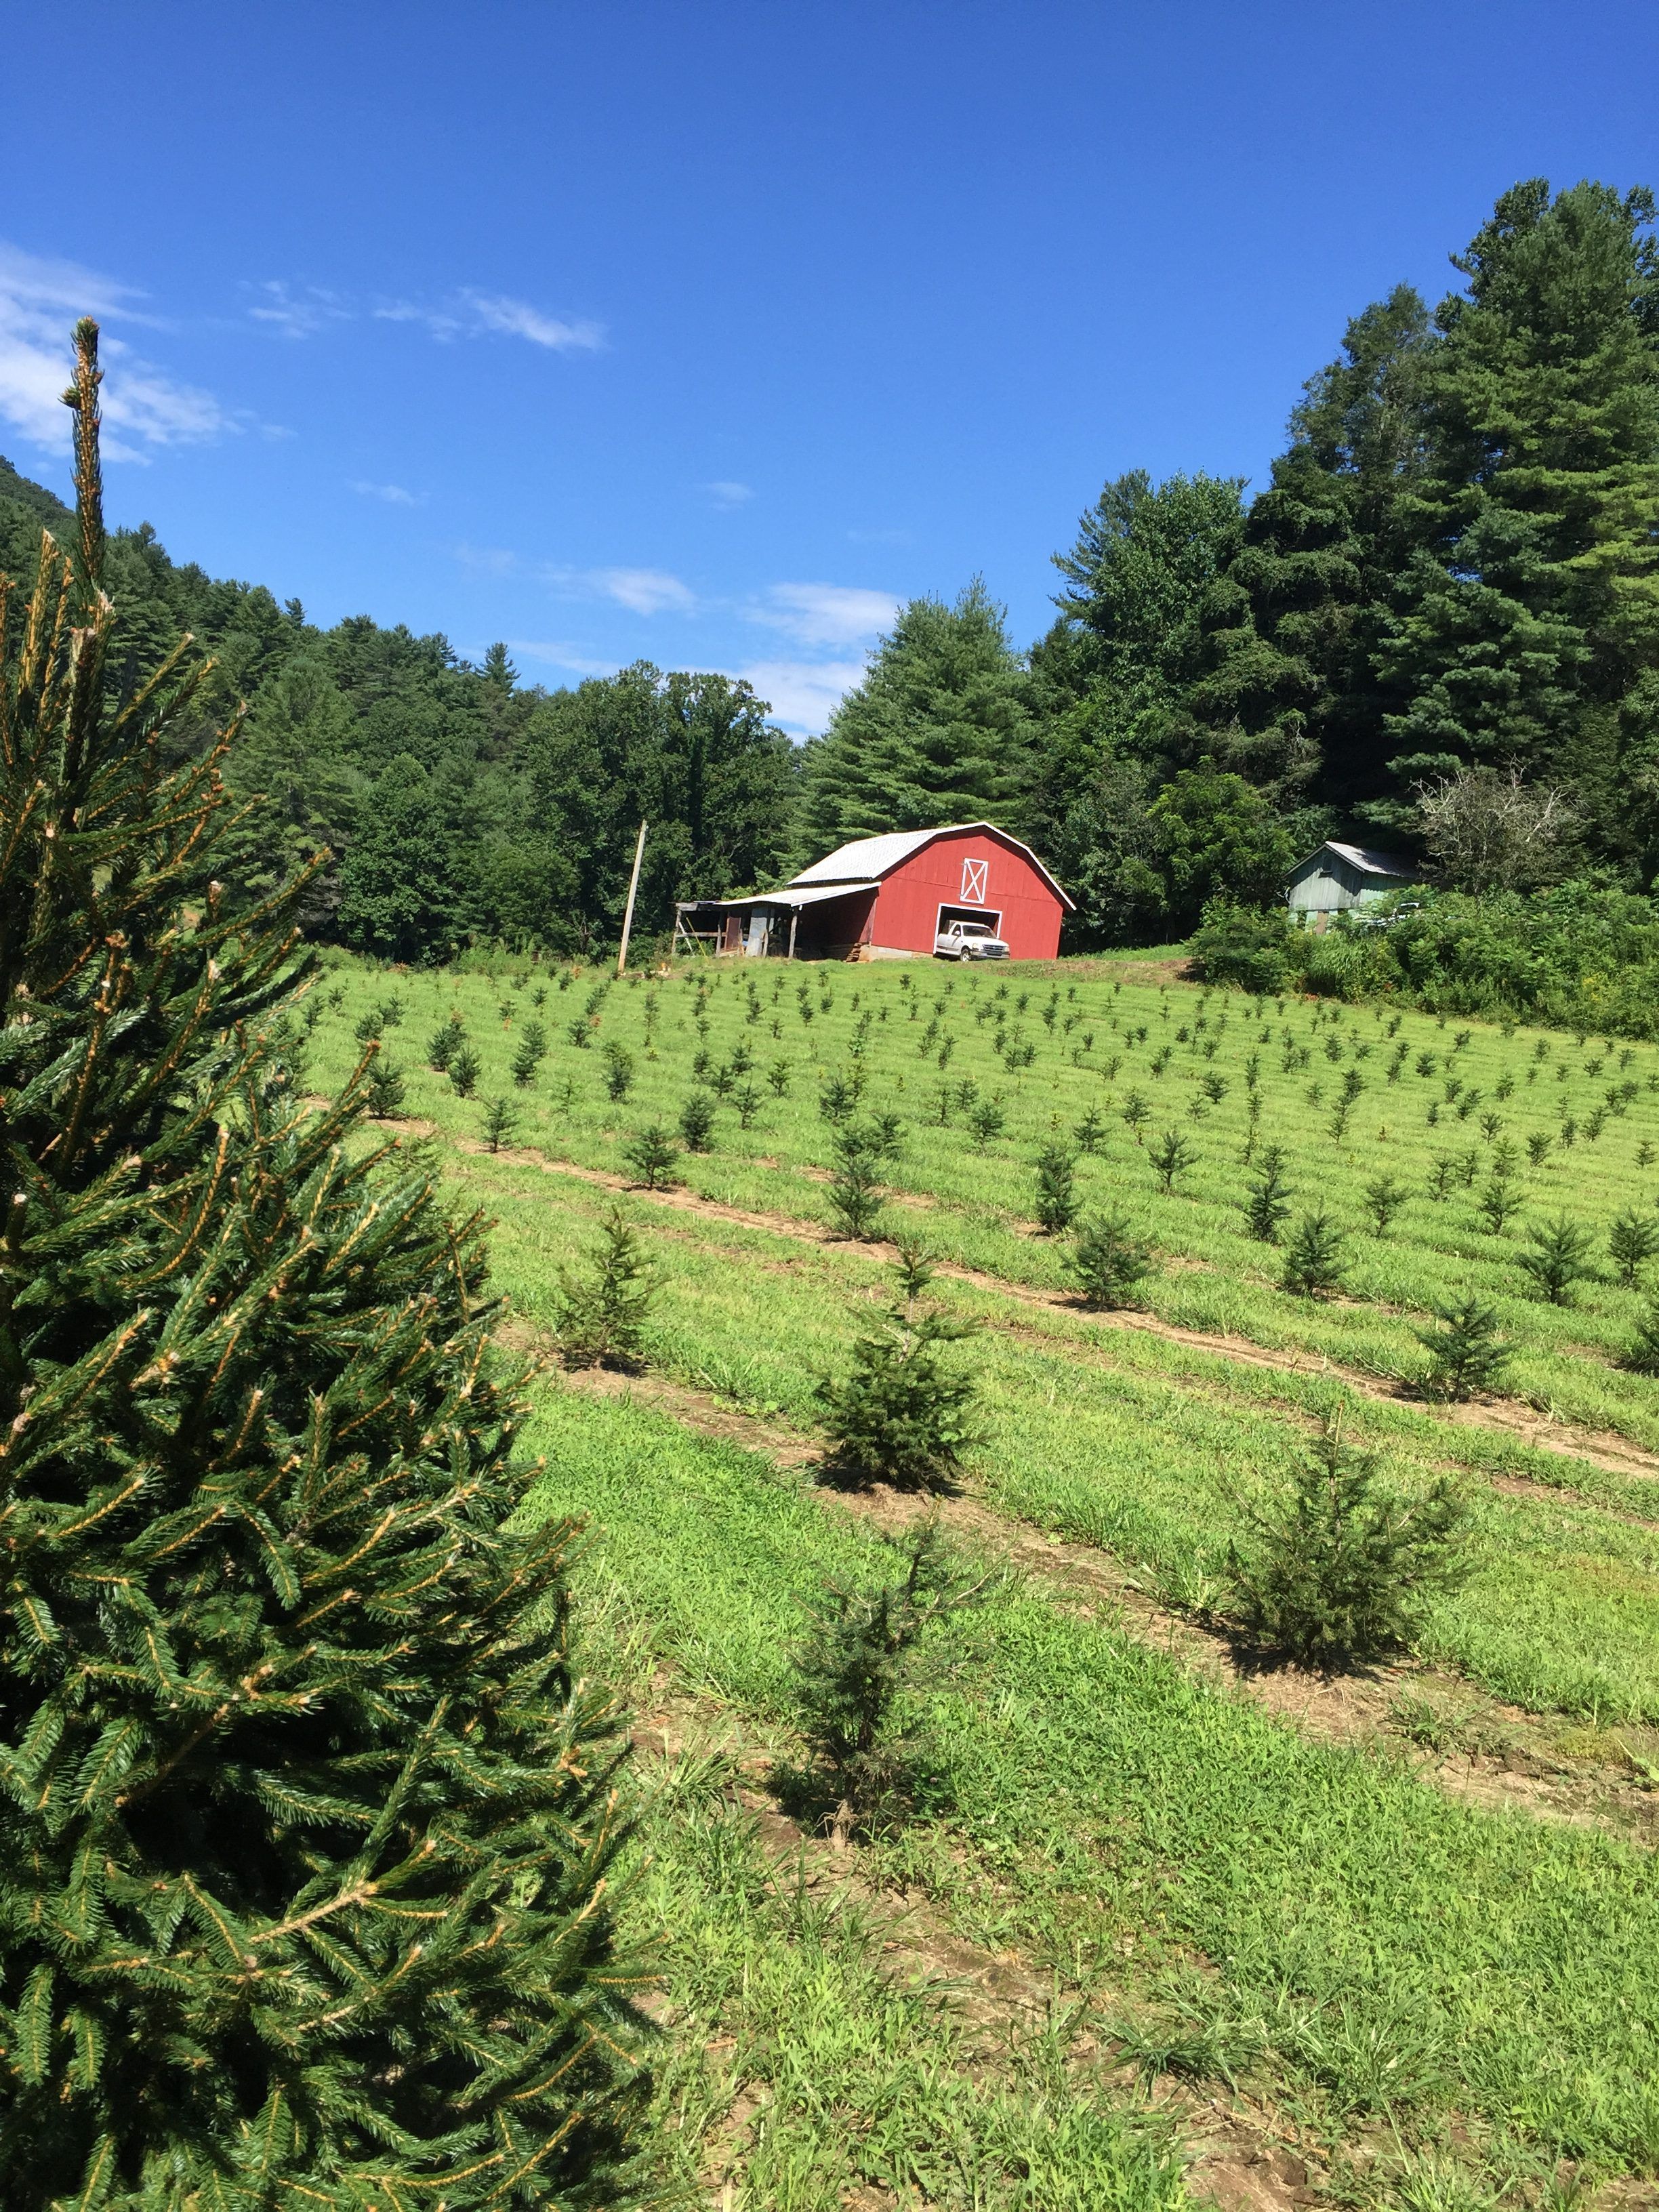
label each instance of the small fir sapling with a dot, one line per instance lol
(383, 1088)
(987, 1118)
(1641, 1355)
(1558, 1259)
(901, 1415)
(650, 1154)
(603, 1311)
(697, 1121)
(777, 1075)
(1267, 1201)
(1312, 1257)
(747, 1100)
(1632, 1241)
(854, 1192)
(500, 1122)
(1110, 1263)
(1465, 1354)
(861, 1654)
(1500, 1201)
(1171, 1156)
(369, 1026)
(444, 1043)
(1090, 1132)
(1057, 1203)
(1538, 1147)
(1335, 1569)
(1383, 1199)
(1136, 1112)
(463, 1072)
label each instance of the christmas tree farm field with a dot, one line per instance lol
(1426, 1998)
(1444, 1160)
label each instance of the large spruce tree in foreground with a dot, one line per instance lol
(305, 1825)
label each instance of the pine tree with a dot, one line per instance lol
(1312, 1257)
(697, 1121)
(1171, 1156)
(1632, 1241)
(1267, 1204)
(446, 1041)
(1383, 1199)
(1560, 1258)
(1642, 1353)
(939, 730)
(858, 1661)
(1465, 1352)
(652, 1155)
(1337, 1570)
(383, 1090)
(1057, 1201)
(854, 1192)
(309, 1827)
(463, 1069)
(602, 1312)
(1110, 1262)
(901, 1415)
(500, 1122)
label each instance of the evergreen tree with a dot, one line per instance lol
(1560, 1258)
(1465, 1352)
(1110, 1262)
(901, 1415)
(652, 1155)
(1057, 1201)
(1312, 1257)
(1267, 1204)
(602, 1313)
(939, 731)
(308, 1825)
(1642, 1353)
(1529, 633)
(1336, 1569)
(1632, 1241)
(858, 1661)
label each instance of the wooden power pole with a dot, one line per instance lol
(633, 887)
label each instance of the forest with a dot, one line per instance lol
(1434, 628)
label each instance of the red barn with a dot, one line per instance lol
(891, 895)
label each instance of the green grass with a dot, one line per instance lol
(978, 1205)
(1314, 1918)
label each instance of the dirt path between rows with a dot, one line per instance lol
(1613, 1453)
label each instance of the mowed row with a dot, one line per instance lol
(1359, 1954)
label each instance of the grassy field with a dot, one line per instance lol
(1147, 1920)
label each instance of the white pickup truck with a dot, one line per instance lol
(968, 940)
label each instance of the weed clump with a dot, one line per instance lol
(1336, 1569)
(603, 1311)
(900, 1414)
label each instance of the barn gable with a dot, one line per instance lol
(868, 858)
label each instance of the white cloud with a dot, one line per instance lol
(826, 614)
(489, 560)
(296, 314)
(726, 494)
(642, 590)
(470, 315)
(803, 693)
(393, 494)
(143, 408)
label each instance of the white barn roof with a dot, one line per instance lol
(868, 857)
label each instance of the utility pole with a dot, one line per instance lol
(633, 886)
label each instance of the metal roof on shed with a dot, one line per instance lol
(1368, 862)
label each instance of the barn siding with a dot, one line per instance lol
(908, 902)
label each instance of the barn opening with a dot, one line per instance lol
(989, 916)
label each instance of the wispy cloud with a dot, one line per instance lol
(726, 494)
(295, 312)
(642, 590)
(145, 409)
(470, 315)
(393, 494)
(803, 693)
(825, 614)
(488, 560)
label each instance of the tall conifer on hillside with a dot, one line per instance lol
(939, 730)
(304, 1823)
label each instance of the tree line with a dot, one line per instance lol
(1435, 628)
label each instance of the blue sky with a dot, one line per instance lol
(706, 333)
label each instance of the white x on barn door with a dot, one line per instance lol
(973, 881)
